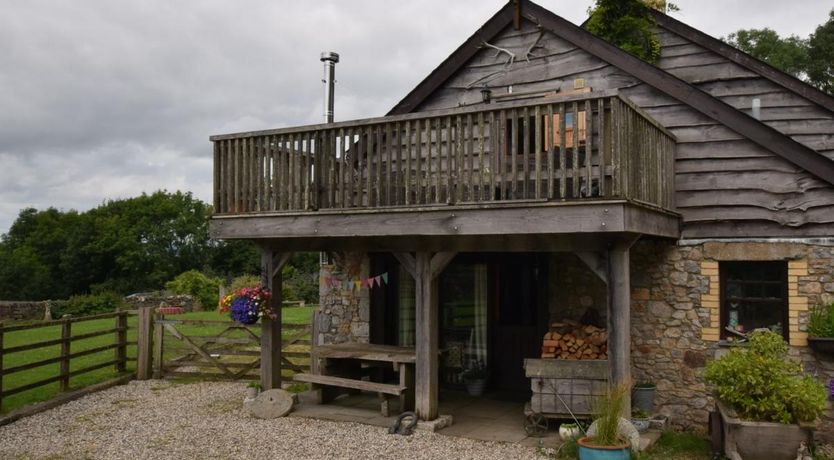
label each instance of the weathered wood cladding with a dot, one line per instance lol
(716, 168)
(595, 145)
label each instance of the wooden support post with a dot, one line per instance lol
(121, 340)
(158, 347)
(143, 343)
(271, 265)
(619, 318)
(427, 269)
(66, 333)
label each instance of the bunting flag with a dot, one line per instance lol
(354, 284)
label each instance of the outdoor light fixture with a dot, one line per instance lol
(486, 94)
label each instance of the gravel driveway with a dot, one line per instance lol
(157, 419)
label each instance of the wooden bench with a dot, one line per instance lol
(380, 389)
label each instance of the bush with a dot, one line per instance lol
(199, 286)
(245, 281)
(761, 383)
(84, 305)
(821, 320)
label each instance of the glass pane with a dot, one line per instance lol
(463, 291)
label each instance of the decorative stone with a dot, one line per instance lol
(270, 404)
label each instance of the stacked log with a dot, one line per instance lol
(570, 340)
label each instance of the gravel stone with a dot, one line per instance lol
(156, 419)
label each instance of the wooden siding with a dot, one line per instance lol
(726, 185)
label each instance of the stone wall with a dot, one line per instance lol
(20, 310)
(676, 315)
(344, 314)
(574, 289)
(162, 299)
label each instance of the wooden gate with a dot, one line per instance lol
(222, 349)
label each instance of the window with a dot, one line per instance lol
(754, 295)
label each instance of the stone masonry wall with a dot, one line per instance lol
(344, 314)
(676, 315)
(19, 310)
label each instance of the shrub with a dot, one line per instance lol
(203, 288)
(761, 383)
(608, 409)
(821, 320)
(245, 281)
(89, 304)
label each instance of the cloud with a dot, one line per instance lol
(105, 99)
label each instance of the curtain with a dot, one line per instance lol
(406, 294)
(478, 336)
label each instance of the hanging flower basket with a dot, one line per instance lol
(247, 305)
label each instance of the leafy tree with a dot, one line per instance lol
(125, 246)
(789, 54)
(626, 24)
(810, 59)
(821, 56)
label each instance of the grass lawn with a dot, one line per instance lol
(291, 315)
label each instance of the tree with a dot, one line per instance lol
(821, 56)
(626, 24)
(788, 54)
(811, 60)
(127, 245)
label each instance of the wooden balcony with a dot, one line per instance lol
(345, 179)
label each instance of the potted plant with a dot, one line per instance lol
(821, 328)
(640, 419)
(248, 304)
(642, 396)
(767, 405)
(604, 440)
(475, 377)
(569, 431)
(252, 390)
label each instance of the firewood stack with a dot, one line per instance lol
(571, 340)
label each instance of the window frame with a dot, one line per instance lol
(723, 269)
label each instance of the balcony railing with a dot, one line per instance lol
(586, 147)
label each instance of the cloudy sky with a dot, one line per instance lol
(105, 99)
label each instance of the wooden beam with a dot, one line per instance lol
(408, 262)
(528, 218)
(597, 262)
(271, 278)
(426, 322)
(144, 339)
(619, 316)
(439, 262)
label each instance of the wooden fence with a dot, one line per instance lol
(175, 349)
(590, 146)
(66, 356)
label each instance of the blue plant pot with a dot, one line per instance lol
(588, 451)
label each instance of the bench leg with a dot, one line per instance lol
(384, 407)
(407, 381)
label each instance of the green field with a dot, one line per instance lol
(291, 315)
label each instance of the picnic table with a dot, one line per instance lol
(346, 366)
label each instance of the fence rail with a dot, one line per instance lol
(220, 355)
(595, 145)
(66, 355)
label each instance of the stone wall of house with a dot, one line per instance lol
(676, 315)
(20, 310)
(574, 289)
(344, 313)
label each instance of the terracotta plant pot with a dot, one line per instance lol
(589, 451)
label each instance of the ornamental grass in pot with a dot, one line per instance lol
(767, 405)
(604, 440)
(821, 328)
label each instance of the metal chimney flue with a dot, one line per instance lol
(330, 59)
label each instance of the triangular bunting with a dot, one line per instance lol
(385, 277)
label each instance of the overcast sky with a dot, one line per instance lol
(104, 99)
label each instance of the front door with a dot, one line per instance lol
(517, 319)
